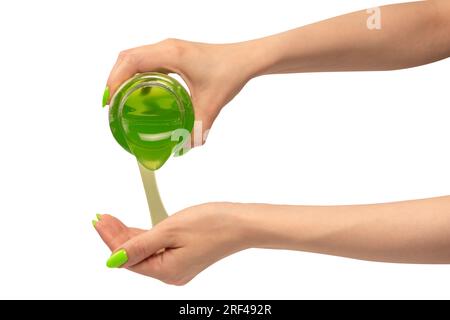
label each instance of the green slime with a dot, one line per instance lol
(144, 113)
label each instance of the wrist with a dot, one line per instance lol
(272, 226)
(237, 224)
(252, 58)
(261, 55)
(253, 224)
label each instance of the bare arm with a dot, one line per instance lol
(411, 231)
(409, 35)
(186, 243)
(416, 231)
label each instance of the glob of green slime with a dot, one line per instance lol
(144, 113)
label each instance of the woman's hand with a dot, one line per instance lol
(213, 73)
(178, 248)
(183, 245)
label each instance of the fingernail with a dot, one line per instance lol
(117, 259)
(94, 223)
(99, 216)
(105, 97)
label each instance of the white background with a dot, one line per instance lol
(341, 138)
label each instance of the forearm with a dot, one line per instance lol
(411, 34)
(409, 232)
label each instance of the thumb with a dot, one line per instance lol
(138, 249)
(205, 114)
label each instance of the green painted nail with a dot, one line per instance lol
(94, 223)
(99, 216)
(105, 97)
(117, 259)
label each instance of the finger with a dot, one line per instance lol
(169, 267)
(203, 123)
(122, 70)
(151, 267)
(132, 61)
(113, 232)
(139, 248)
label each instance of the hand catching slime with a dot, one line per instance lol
(178, 248)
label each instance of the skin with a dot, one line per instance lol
(186, 243)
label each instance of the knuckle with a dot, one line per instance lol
(171, 41)
(126, 56)
(139, 248)
(174, 47)
(170, 231)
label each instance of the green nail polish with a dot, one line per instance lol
(94, 223)
(117, 259)
(99, 216)
(105, 97)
